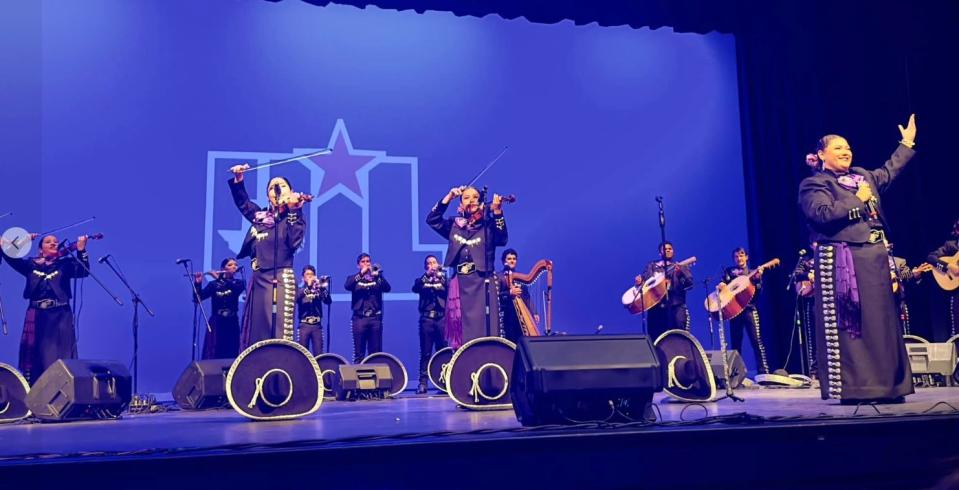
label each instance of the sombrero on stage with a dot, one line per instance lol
(686, 369)
(275, 379)
(13, 394)
(479, 373)
(330, 371)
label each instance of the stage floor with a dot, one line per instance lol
(434, 421)
(399, 419)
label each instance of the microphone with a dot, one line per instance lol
(871, 207)
(103, 259)
(180, 261)
(276, 193)
(659, 199)
(802, 253)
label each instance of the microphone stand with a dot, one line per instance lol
(95, 278)
(486, 235)
(3, 319)
(709, 316)
(3, 316)
(797, 317)
(329, 311)
(276, 253)
(722, 349)
(137, 301)
(197, 305)
(662, 240)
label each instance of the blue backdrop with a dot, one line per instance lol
(133, 111)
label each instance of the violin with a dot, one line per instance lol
(285, 205)
(478, 214)
(71, 247)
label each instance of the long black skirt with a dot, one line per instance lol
(258, 313)
(48, 335)
(476, 291)
(222, 341)
(873, 365)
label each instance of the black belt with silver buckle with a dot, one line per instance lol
(47, 304)
(466, 268)
(432, 314)
(311, 320)
(226, 312)
(877, 235)
(371, 313)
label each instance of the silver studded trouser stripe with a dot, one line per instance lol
(831, 373)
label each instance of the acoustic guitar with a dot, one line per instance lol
(734, 298)
(944, 278)
(647, 295)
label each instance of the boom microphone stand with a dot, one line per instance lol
(137, 302)
(197, 306)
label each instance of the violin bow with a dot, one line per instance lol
(78, 223)
(488, 166)
(325, 151)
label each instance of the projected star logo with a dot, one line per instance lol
(346, 170)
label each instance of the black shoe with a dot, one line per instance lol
(421, 389)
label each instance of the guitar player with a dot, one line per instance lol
(943, 258)
(672, 312)
(748, 320)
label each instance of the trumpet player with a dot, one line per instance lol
(431, 287)
(310, 298)
(367, 287)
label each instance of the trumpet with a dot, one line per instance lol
(321, 282)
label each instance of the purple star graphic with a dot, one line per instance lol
(342, 166)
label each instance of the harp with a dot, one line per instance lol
(539, 283)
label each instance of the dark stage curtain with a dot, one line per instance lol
(808, 68)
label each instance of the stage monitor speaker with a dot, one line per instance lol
(364, 382)
(737, 368)
(13, 394)
(76, 389)
(578, 378)
(203, 385)
(933, 363)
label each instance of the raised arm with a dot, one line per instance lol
(884, 176)
(81, 268)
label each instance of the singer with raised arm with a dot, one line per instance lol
(222, 340)
(276, 233)
(367, 287)
(472, 306)
(310, 299)
(48, 328)
(861, 354)
(431, 288)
